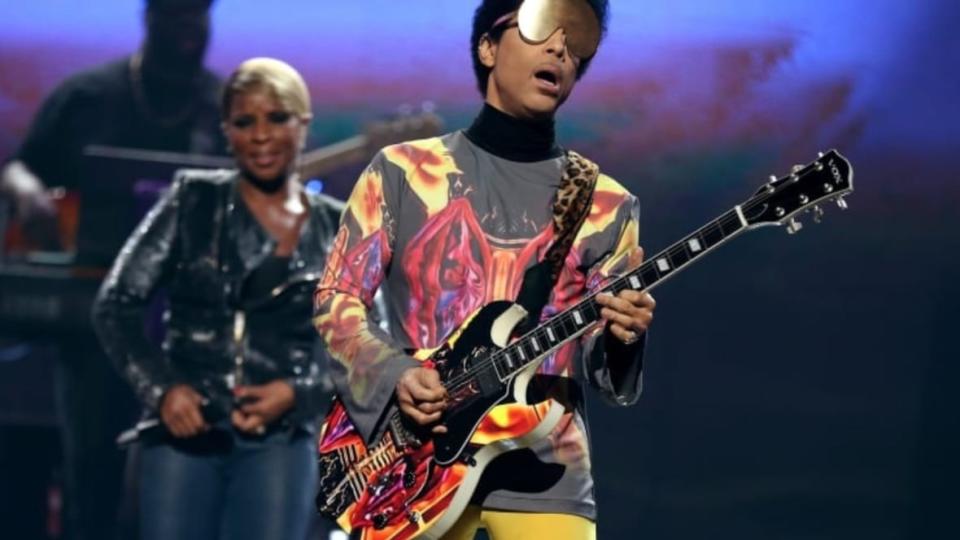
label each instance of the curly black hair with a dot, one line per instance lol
(491, 10)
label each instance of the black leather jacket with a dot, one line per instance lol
(199, 243)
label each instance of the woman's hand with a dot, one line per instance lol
(180, 411)
(261, 405)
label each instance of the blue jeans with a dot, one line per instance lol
(253, 488)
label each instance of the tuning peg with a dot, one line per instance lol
(820, 155)
(817, 214)
(841, 203)
(797, 168)
(794, 226)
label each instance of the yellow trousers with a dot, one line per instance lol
(502, 525)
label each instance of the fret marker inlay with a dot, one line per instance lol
(550, 334)
(577, 317)
(663, 265)
(743, 219)
(536, 345)
(694, 245)
(635, 282)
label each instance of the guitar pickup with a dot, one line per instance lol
(488, 382)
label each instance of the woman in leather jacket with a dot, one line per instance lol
(237, 386)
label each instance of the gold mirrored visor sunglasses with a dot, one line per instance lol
(537, 20)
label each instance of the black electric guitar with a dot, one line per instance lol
(410, 484)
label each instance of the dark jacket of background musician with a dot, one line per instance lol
(200, 243)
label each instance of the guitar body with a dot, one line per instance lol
(410, 484)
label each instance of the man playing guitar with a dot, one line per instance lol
(451, 223)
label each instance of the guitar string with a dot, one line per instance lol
(458, 382)
(560, 320)
(566, 316)
(469, 376)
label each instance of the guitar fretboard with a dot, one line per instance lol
(572, 322)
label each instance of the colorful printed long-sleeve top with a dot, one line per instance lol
(448, 227)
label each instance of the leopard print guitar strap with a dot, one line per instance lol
(570, 209)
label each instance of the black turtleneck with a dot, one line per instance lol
(513, 138)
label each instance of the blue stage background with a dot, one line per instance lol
(800, 387)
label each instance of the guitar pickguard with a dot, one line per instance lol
(402, 484)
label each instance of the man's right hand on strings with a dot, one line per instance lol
(422, 397)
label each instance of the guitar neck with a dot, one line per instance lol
(322, 161)
(360, 148)
(573, 322)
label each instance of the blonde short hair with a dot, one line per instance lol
(278, 78)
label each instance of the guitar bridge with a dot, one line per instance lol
(403, 436)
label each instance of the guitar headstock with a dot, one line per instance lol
(805, 189)
(407, 124)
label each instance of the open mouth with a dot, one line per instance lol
(547, 76)
(548, 80)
